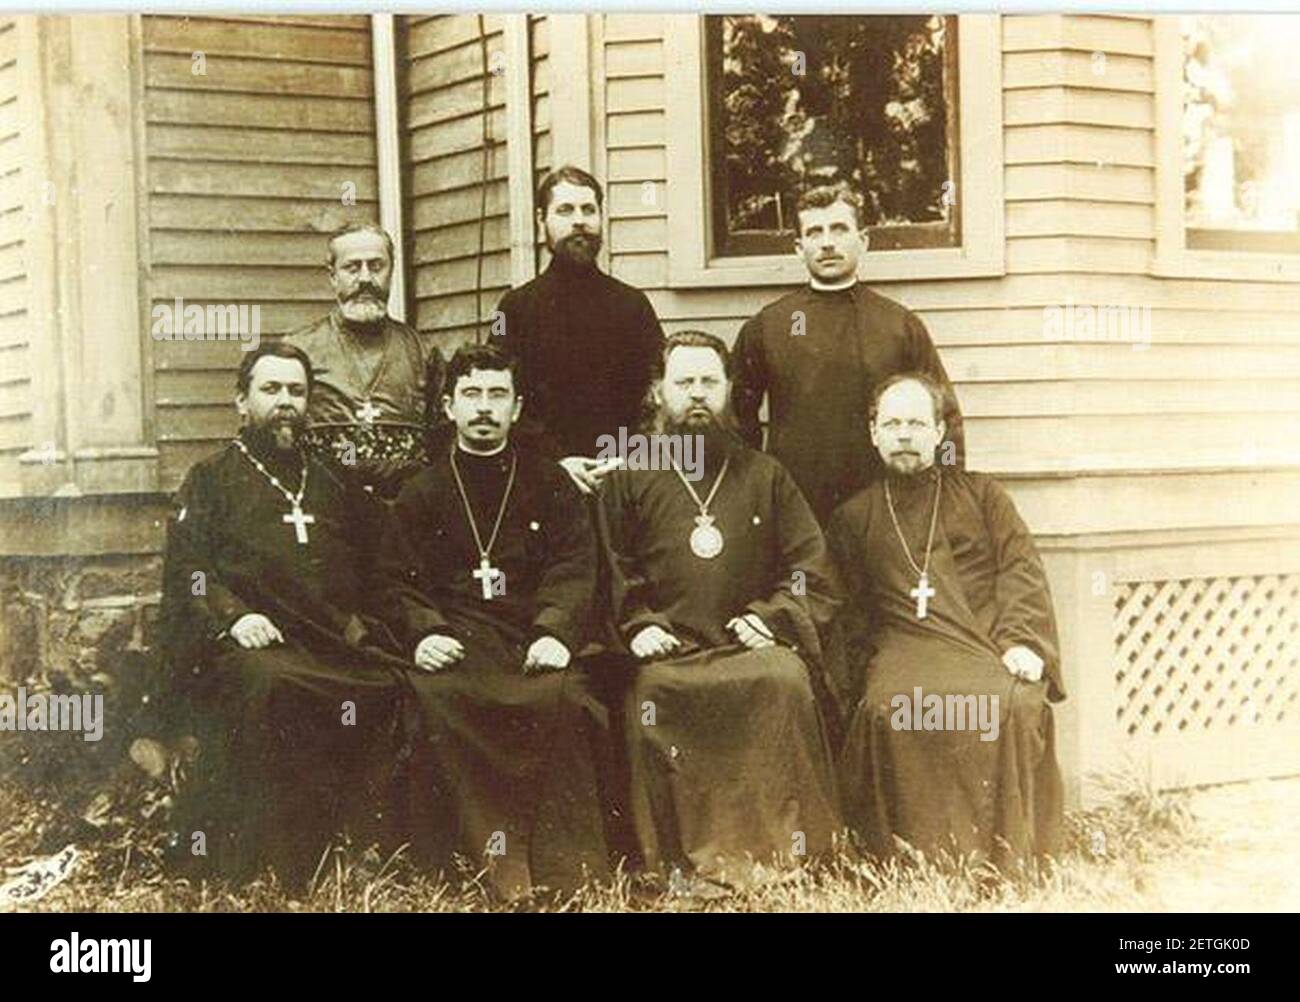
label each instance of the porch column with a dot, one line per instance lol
(90, 377)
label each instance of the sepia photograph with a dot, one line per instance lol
(650, 461)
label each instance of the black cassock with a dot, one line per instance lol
(729, 755)
(301, 739)
(507, 771)
(588, 346)
(945, 789)
(819, 355)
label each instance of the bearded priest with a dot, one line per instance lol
(947, 654)
(274, 661)
(722, 586)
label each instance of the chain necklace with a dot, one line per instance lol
(485, 573)
(922, 592)
(296, 515)
(367, 411)
(706, 539)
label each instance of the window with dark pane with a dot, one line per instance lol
(795, 101)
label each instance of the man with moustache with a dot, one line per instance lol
(272, 658)
(722, 588)
(488, 569)
(588, 344)
(948, 606)
(818, 352)
(371, 371)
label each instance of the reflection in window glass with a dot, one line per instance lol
(1241, 131)
(800, 100)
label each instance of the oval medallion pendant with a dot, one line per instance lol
(706, 540)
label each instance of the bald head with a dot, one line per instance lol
(906, 427)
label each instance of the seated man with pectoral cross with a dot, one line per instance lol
(489, 564)
(271, 656)
(946, 654)
(722, 585)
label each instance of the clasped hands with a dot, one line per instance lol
(438, 652)
(656, 642)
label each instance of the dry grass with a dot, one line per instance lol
(1101, 868)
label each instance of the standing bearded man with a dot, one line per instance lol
(367, 412)
(721, 589)
(264, 634)
(574, 326)
(490, 564)
(950, 651)
(819, 352)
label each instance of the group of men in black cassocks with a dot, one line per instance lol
(422, 601)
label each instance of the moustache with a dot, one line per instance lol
(697, 419)
(486, 422)
(367, 292)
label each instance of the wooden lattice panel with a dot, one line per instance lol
(1207, 654)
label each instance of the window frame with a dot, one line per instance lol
(1173, 258)
(979, 193)
(946, 233)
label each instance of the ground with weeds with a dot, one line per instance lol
(1228, 848)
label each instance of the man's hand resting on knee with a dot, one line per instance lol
(254, 631)
(437, 652)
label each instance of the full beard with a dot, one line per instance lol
(363, 310)
(907, 466)
(715, 432)
(579, 248)
(276, 436)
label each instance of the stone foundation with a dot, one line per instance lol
(83, 625)
(71, 619)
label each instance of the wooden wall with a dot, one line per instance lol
(635, 162)
(250, 163)
(247, 163)
(15, 322)
(1219, 379)
(543, 160)
(457, 195)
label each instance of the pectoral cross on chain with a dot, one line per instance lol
(922, 593)
(486, 573)
(300, 522)
(367, 412)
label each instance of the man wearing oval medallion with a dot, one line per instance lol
(721, 588)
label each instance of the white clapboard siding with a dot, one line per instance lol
(457, 199)
(259, 136)
(540, 46)
(635, 148)
(15, 321)
(1080, 175)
